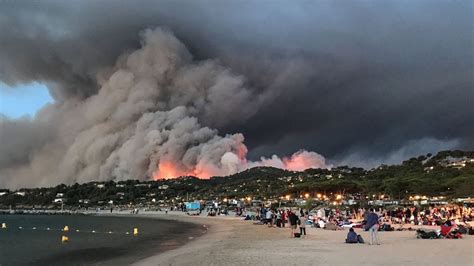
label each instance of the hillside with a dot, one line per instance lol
(448, 173)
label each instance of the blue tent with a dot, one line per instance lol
(193, 205)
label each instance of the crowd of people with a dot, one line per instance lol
(429, 215)
(283, 218)
(371, 220)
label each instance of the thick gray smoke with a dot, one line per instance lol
(362, 82)
(142, 123)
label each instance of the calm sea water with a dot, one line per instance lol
(108, 245)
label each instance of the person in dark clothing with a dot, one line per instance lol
(407, 215)
(372, 225)
(293, 222)
(326, 212)
(351, 237)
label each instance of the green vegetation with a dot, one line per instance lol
(449, 174)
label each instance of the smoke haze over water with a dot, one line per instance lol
(360, 82)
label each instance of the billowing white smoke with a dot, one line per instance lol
(144, 123)
(299, 161)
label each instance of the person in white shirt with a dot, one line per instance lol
(269, 217)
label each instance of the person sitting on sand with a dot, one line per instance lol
(321, 223)
(351, 237)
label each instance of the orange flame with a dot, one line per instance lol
(169, 170)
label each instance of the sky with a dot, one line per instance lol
(358, 82)
(23, 100)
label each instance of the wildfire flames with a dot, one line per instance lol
(299, 161)
(168, 170)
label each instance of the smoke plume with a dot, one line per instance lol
(144, 123)
(362, 82)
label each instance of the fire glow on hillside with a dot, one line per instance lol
(299, 161)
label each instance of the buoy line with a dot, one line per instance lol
(134, 231)
(66, 233)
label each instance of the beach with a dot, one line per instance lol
(232, 241)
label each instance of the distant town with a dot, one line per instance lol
(445, 177)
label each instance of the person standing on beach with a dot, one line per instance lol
(303, 220)
(372, 225)
(269, 218)
(293, 222)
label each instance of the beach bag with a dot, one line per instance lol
(298, 235)
(386, 227)
(462, 229)
(455, 234)
(471, 231)
(330, 226)
(426, 234)
(360, 239)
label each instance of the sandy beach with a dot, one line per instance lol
(232, 241)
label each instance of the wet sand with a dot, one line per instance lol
(232, 241)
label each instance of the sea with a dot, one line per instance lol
(91, 239)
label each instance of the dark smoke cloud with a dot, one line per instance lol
(359, 82)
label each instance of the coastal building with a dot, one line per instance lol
(59, 200)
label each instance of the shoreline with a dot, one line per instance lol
(229, 240)
(214, 230)
(232, 241)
